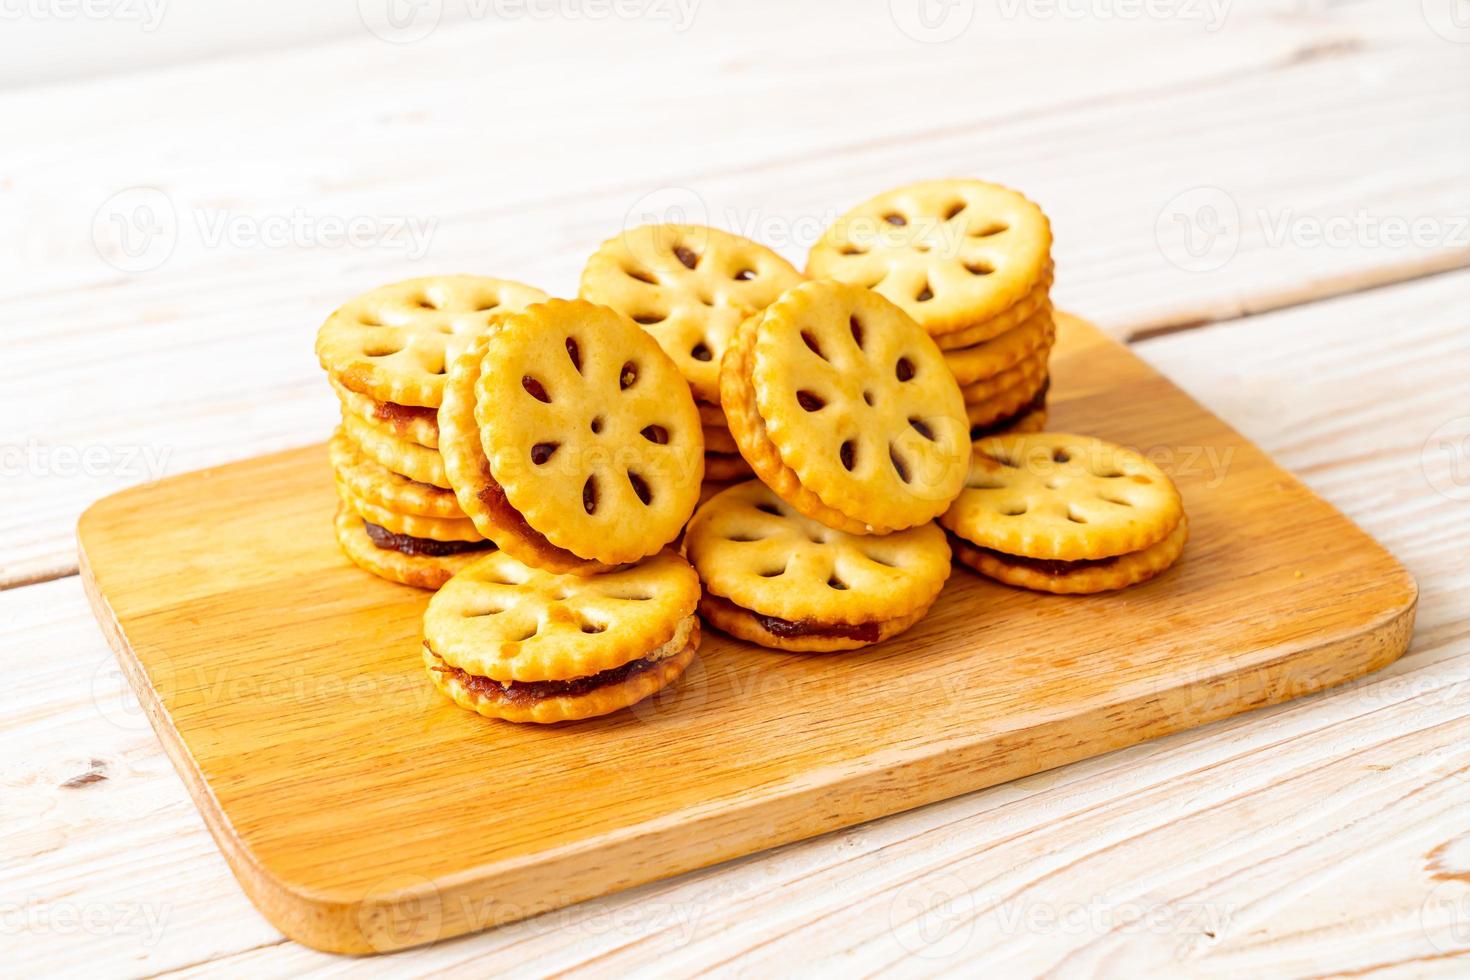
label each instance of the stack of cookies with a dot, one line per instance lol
(847, 413)
(971, 263)
(385, 354)
(690, 287)
(572, 441)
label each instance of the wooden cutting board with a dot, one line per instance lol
(362, 812)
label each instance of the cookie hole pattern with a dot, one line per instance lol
(836, 583)
(596, 425)
(979, 268)
(425, 303)
(903, 369)
(1053, 484)
(641, 276)
(811, 343)
(1075, 517)
(542, 452)
(745, 275)
(1060, 456)
(879, 560)
(575, 353)
(437, 368)
(922, 428)
(817, 537)
(994, 228)
(771, 509)
(853, 250)
(895, 219)
(925, 294)
(856, 326)
(487, 611)
(384, 349)
(1140, 478)
(1003, 461)
(985, 483)
(627, 376)
(701, 352)
(1113, 500)
(589, 495)
(868, 398)
(773, 572)
(640, 487)
(1015, 510)
(686, 256)
(953, 210)
(847, 453)
(899, 466)
(486, 306)
(810, 400)
(591, 627)
(535, 389)
(744, 538)
(649, 319)
(656, 434)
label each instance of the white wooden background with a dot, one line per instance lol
(1270, 197)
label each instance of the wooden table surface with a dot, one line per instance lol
(1270, 199)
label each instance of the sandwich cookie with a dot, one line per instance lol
(571, 439)
(776, 577)
(1065, 513)
(845, 408)
(513, 642)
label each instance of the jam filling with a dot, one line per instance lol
(1035, 404)
(790, 629)
(527, 692)
(395, 413)
(420, 547)
(503, 513)
(1046, 566)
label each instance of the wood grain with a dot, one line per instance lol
(360, 812)
(206, 358)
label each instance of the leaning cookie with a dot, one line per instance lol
(1064, 513)
(512, 642)
(845, 407)
(571, 439)
(775, 577)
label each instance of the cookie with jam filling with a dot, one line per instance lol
(1068, 514)
(509, 641)
(776, 577)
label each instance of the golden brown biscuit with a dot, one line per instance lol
(513, 642)
(845, 408)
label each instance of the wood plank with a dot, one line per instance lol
(289, 690)
(1261, 808)
(111, 377)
